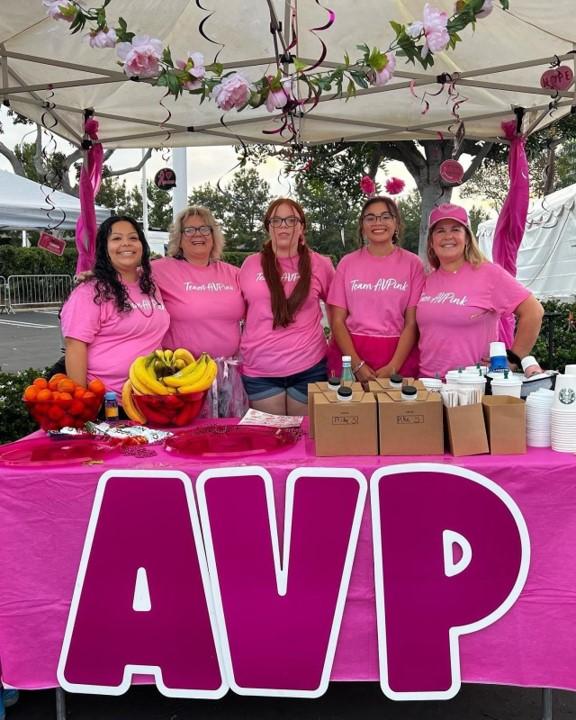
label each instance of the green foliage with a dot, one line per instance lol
(35, 261)
(563, 335)
(234, 257)
(115, 194)
(15, 422)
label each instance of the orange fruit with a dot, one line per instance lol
(55, 413)
(67, 421)
(79, 393)
(55, 379)
(65, 400)
(40, 409)
(43, 395)
(40, 382)
(76, 407)
(97, 386)
(30, 393)
(66, 385)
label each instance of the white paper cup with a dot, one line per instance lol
(452, 376)
(432, 384)
(507, 386)
(475, 368)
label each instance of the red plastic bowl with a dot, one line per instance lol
(54, 415)
(170, 410)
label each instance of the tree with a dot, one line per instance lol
(240, 206)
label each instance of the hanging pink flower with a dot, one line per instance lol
(102, 38)
(436, 36)
(383, 76)
(141, 57)
(60, 9)
(233, 92)
(394, 186)
(194, 66)
(367, 185)
(278, 97)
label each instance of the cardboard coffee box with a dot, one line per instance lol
(410, 427)
(321, 387)
(466, 430)
(345, 427)
(506, 424)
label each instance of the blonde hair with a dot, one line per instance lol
(175, 238)
(472, 253)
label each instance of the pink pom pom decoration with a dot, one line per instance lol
(394, 186)
(367, 185)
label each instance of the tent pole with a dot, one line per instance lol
(144, 191)
(180, 197)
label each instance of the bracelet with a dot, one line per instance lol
(360, 365)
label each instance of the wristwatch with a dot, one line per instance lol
(513, 358)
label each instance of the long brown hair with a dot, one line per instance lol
(284, 309)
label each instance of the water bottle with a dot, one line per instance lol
(347, 377)
(110, 406)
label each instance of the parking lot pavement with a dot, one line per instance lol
(343, 701)
(29, 339)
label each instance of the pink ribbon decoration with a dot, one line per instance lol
(512, 219)
(90, 177)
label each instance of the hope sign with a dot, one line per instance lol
(223, 592)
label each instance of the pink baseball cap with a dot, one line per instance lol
(447, 211)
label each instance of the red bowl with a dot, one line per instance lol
(55, 415)
(170, 410)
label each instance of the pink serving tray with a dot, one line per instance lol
(48, 451)
(231, 440)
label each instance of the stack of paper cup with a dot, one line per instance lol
(538, 418)
(563, 414)
(471, 387)
(432, 384)
(511, 385)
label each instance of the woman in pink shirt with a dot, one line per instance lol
(464, 297)
(373, 298)
(203, 298)
(118, 313)
(283, 346)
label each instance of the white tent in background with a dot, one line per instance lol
(547, 255)
(24, 205)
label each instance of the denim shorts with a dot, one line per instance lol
(296, 386)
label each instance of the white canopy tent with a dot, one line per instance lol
(497, 68)
(26, 205)
(547, 255)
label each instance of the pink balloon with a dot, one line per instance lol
(558, 78)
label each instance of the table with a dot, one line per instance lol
(44, 516)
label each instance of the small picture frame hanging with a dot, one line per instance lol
(51, 243)
(165, 179)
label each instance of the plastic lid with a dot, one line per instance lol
(346, 359)
(395, 378)
(344, 391)
(409, 391)
(110, 395)
(334, 381)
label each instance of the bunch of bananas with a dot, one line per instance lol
(165, 373)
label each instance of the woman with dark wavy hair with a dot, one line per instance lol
(118, 313)
(283, 347)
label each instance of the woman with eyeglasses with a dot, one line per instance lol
(283, 346)
(204, 301)
(464, 297)
(373, 298)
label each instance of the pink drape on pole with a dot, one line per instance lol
(90, 177)
(512, 219)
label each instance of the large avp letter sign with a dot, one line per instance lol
(205, 596)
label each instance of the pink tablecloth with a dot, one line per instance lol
(44, 516)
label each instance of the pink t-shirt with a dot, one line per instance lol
(458, 315)
(376, 291)
(204, 303)
(114, 338)
(283, 351)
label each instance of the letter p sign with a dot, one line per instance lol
(451, 555)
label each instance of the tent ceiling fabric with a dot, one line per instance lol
(37, 51)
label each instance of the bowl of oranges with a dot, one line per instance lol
(60, 402)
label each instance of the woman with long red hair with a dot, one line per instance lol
(283, 347)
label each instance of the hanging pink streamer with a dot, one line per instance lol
(512, 219)
(90, 177)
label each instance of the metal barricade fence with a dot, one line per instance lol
(4, 303)
(37, 290)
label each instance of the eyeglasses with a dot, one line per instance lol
(202, 230)
(290, 221)
(371, 218)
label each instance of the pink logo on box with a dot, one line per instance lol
(52, 244)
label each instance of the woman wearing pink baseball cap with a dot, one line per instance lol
(464, 297)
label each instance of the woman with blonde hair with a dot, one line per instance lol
(283, 346)
(203, 298)
(464, 297)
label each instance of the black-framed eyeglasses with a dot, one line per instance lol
(371, 218)
(290, 221)
(202, 230)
